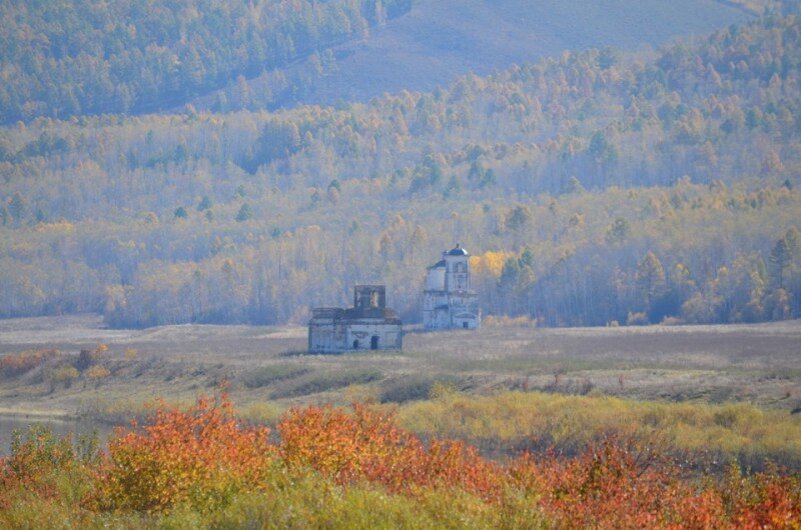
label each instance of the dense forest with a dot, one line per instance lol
(72, 57)
(593, 188)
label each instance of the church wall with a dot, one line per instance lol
(438, 318)
(465, 321)
(327, 336)
(433, 299)
(435, 279)
(389, 336)
(457, 275)
(339, 336)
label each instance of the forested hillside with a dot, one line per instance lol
(594, 187)
(71, 57)
(65, 58)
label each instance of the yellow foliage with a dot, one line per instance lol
(490, 263)
(503, 321)
(359, 393)
(65, 374)
(58, 227)
(97, 371)
(262, 413)
(513, 417)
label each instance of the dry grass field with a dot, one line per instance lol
(268, 370)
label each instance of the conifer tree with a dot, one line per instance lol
(245, 213)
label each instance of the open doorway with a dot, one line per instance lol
(464, 325)
(356, 344)
(374, 342)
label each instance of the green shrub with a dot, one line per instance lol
(317, 382)
(268, 375)
(413, 388)
(65, 374)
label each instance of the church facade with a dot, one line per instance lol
(448, 301)
(368, 325)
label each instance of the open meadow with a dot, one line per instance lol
(566, 385)
(756, 364)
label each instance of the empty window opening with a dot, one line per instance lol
(374, 342)
(464, 325)
(356, 344)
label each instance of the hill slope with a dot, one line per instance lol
(439, 40)
(75, 57)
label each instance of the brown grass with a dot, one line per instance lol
(708, 364)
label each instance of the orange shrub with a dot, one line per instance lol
(622, 485)
(202, 456)
(17, 364)
(765, 500)
(368, 446)
(34, 461)
(611, 485)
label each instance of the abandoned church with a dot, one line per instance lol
(368, 325)
(448, 302)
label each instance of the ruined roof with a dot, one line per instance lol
(438, 265)
(353, 315)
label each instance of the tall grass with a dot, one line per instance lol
(706, 434)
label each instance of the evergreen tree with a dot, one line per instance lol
(17, 206)
(618, 232)
(793, 239)
(650, 280)
(780, 257)
(245, 213)
(205, 204)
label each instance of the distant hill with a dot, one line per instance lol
(69, 58)
(435, 42)
(438, 40)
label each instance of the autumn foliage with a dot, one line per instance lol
(35, 459)
(16, 364)
(204, 460)
(367, 446)
(201, 456)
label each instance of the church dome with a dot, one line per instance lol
(457, 251)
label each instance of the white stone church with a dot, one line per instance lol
(448, 302)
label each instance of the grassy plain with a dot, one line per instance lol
(707, 394)
(754, 364)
